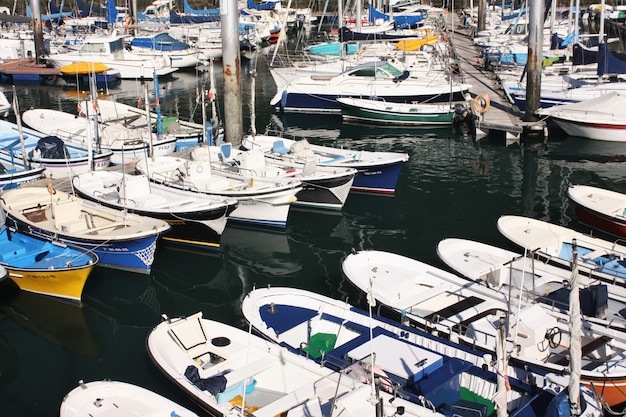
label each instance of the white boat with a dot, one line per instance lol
(322, 187)
(187, 134)
(121, 240)
(126, 144)
(381, 79)
(110, 51)
(600, 118)
(333, 332)
(106, 398)
(377, 172)
(470, 313)
(60, 159)
(599, 258)
(161, 44)
(262, 201)
(228, 370)
(532, 280)
(194, 219)
(602, 209)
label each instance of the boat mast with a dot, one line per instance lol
(16, 110)
(575, 328)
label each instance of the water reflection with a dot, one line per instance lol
(56, 321)
(124, 298)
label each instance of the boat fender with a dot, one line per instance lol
(482, 104)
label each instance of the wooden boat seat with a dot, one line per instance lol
(592, 346)
(68, 217)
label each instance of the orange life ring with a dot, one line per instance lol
(481, 104)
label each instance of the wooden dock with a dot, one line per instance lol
(502, 117)
(27, 72)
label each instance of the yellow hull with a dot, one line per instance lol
(83, 68)
(68, 283)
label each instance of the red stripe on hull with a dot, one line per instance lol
(600, 222)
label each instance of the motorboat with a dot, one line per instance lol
(45, 266)
(59, 159)
(377, 172)
(380, 79)
(551, 243)
(262, 201)
(323, 187)
(602, 209)
(120, 239)
(227, 370)
(110, 51)
(126, 144)
(470, 313)
(195, 219)
(101, 398)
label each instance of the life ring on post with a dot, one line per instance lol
(481, 104)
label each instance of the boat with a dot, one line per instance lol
(599, 208)
(549, 242)
(187, 134)
(322, 187)
(380, 79)
(470, 313)
(13, 175)
(126, 144)
(262, 201)
(381, 112)
(59, 159)
(229, 371)
(121, 240)
(377, 172)
(336, 334)
(47, 267)
(162, 44)
(529, 279)
(195, 219)
(110, 51)
(79, 73)
(600, 118)
(5, 105)
(102, 398)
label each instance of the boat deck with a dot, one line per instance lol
(501, 116)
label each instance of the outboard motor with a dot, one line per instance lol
(51, 147)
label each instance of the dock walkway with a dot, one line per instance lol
(502, 116)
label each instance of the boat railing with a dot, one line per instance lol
(178, 182)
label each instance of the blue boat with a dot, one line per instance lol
(43, 266)
(121, 240)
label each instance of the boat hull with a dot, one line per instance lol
(600, 209)
(13, 178)
(590, 130)
(388, 114)
(44, 267)
(136, 255)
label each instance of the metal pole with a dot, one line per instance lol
(233, 120)
(535, 46)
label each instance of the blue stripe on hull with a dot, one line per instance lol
(380, 180)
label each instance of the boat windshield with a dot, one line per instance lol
(382, 70)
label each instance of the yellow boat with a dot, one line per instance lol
(45, 267)
(83, 68)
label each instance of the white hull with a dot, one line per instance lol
(102, 398)
(261, 201)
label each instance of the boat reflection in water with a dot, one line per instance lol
(124, 298)
(56, 321)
